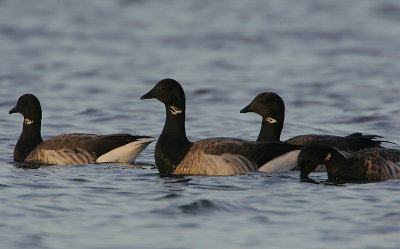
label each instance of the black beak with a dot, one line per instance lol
(246, 109)
(149, 95)
(14, 110)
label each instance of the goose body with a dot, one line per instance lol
(212, 157)
(77, 148)
(272, 109)
(371, 164)
(176, 155)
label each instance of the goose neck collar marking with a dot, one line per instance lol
(175, 110)
(27, 121)
(271, 120)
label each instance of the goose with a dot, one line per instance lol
(176, 155)
(370, 164)
(271, 107)
(77, 148)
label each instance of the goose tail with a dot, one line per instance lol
(126, 153)
(285, 162)
(366, 141)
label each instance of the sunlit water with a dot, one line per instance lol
(335, 63)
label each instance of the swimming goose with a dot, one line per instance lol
(176, 155)
(272, 109)
(371, 164)
(75, 148)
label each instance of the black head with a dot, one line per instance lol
(29, 106)
(312, 156)
(169, 92)
(267, 104)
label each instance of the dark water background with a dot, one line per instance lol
(336, 64)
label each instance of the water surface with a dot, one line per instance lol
(335, 63)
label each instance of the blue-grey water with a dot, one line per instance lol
(336, 64)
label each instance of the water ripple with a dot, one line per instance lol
(335, 63)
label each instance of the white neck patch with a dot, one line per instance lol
(174, 110)
(271, 120)
(328, 157)
(28, 121)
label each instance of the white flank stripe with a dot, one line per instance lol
(126, 153)
(281, 163)
(65, 156)
(392, 169)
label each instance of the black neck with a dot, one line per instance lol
(30, 138)
(172, 145)
(270, 131)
